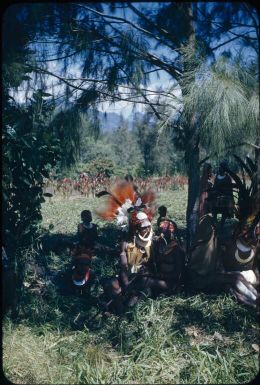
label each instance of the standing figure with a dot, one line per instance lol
(206, 185)
(229, 263)
(222, 195)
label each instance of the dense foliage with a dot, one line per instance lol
(29, 151)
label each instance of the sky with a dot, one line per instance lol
(122, 107)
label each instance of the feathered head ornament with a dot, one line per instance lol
(124, 205)
(248, 195)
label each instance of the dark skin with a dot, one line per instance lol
(224, 216)
(217, 279)
(123, 274)
(87, 238)
(86, 217)
(169, 268)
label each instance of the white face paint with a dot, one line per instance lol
(146, 239)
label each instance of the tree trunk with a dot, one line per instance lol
(193, 170)
(257, 162)
(192, 153)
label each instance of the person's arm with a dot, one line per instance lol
(95, 233)
(177, 233)
(123, 273)
(79, 233)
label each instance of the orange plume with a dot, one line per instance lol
(115, 199)
(123, 191)
(148, 197)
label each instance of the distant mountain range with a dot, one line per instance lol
(110, 121)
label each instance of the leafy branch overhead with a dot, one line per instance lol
(62, 60)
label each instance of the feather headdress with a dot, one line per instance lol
(123, 204)
(247, 193)
(248, 198)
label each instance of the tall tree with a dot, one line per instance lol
(118, 46)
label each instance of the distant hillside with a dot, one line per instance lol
(110, 121)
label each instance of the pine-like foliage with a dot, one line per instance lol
(225, 105)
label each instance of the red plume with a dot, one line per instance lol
(148, 198)
(115, 199)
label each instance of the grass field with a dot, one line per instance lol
(177, 340)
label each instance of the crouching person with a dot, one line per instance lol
(82, 277)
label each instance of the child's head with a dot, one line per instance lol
(162, 210)
(86, 216)
(129, 178)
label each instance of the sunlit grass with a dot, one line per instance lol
(180, 339)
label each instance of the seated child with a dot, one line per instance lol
(82, 274)
(164, 221)
(87, 231)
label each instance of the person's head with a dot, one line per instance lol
(207, 169)
(86, 216)
(81, 270)
(144, 231)
(81, 265)
(129, 178)
(162, 210)
(167, 230)
(143, 225)
(111, 286)
(222, 168)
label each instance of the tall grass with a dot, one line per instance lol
(180, 339)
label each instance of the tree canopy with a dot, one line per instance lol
(68, 58)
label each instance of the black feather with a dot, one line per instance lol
(239, 183)
(251, 164)
(244, 166)
(104, 192)
(101, 193)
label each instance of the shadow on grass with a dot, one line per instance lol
(56, 310)
(54, 302)
(57, 243)
(228, 318)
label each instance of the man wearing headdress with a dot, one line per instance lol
(133, 214)
(148, 264)
(222, 195)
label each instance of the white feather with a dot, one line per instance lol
(138, 202)
(122, 214)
